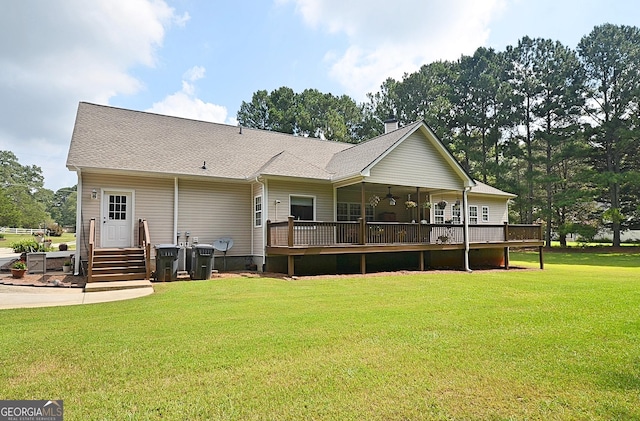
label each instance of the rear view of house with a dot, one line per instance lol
(292, 204)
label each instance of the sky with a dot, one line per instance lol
(201, 58)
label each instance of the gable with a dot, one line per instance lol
(416, 161)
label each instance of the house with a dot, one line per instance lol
(291, 204)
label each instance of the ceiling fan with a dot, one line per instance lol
(391, 197)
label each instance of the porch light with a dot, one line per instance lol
(94, 194)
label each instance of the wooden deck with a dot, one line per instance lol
(297, 238)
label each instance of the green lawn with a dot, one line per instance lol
(563, 343)
(67, 237)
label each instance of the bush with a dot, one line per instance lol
(63, 247)
(55, 230)
(26, 246)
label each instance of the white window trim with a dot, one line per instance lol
(255, 211)
(471, 217)
(456, 219)
(436, 214)
(315, 203)
(483, 214)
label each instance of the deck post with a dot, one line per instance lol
(363, 231)
(268, 232)
(290, 265)
(290, 231)
(363, 263)
(506, 258)
(541, 258)
(421, 265)
(506, 249)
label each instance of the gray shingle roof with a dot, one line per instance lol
(118, 139)
(125, 140)
(481, 188)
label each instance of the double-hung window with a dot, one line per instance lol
(473, 214)
(257, 211)
(485, 214)
(455, 213)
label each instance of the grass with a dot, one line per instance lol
(563, 343)
(67, 237)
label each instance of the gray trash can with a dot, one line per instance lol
(166, 262)
(201, 261)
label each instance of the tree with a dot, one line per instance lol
(22, 193)
(610, 55)
(309, 113)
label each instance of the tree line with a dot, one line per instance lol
(557, 126)
(25, 203)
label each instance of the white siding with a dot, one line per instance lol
(212, 210)
(282, 190)
(416, 162)
(153, 202)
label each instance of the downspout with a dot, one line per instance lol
(466, 228)
(79, 194)
(265, 218)
(175, 207)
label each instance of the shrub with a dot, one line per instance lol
(55, 230)
(26, 246)
(20, 265)
(63, 247)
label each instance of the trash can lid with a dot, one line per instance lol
(166, 246)
(203, 246)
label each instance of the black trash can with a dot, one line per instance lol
(201, 261)
(166, 262)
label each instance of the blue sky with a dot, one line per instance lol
(200, 59)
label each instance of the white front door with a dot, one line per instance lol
(116, 219)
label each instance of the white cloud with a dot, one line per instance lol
(195, 73)
(55, 54)
(388, 39)
(185, 104)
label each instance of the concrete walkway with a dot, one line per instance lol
(12, 296)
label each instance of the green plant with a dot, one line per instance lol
(26, 246)
(67, 263)
(19, 265)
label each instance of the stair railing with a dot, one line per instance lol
(144, 241)
(92, 247)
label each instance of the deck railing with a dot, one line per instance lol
(92, 247)
(144, 241)
(293, 233)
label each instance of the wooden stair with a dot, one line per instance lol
(118, 264)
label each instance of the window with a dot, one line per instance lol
(473, 214)
(438, 215)
(117, 207)
(485, 214)
(302, 208)
(258, 211)
(455, 213)
(351, 212)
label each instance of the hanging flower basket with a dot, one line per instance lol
(374, 200)
(426, 205)
(410, 204)
(442, 204)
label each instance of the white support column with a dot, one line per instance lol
(465, 212)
